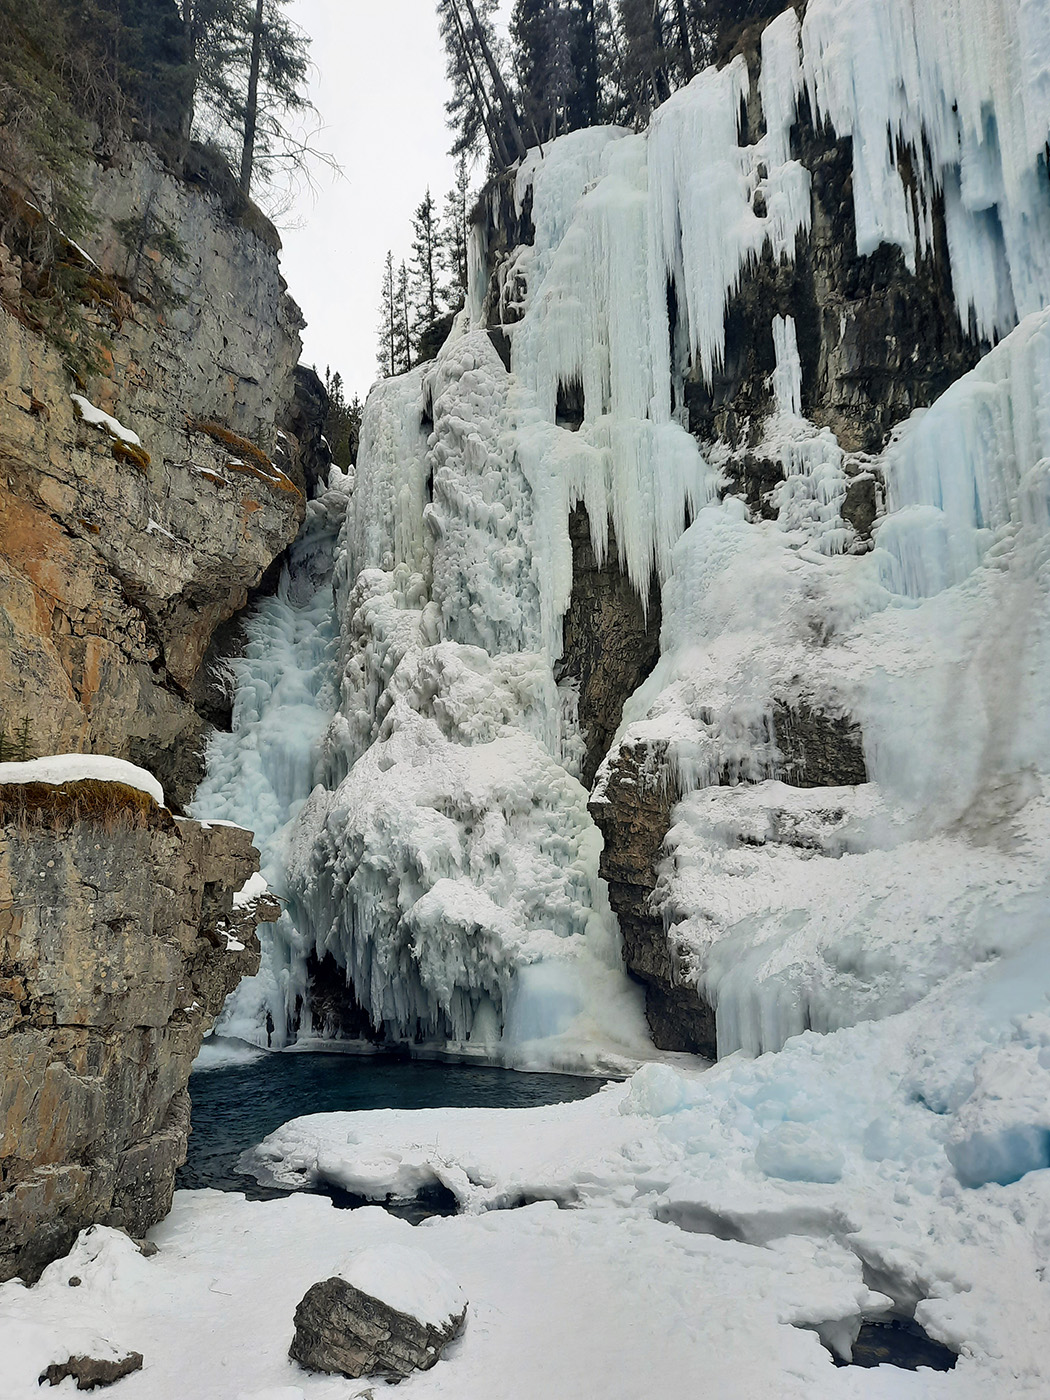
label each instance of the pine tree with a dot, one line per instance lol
(585, 105)
(343, 424)
(646, 61)
(388, 322)
(424, 275)
(481, 108)
(544, 37)
(469, 109)
(403, 322)
(454, 234)
(250, 64)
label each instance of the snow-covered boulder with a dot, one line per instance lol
(389, 1312)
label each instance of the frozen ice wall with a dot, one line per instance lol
(260, 774)
(450, 865)
(818, 907)
(445, 856)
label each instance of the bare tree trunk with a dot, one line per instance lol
(190, 24)
(499, 149)
(683, 39)
(498, 83)
(251, 106)
(392, 310)
(406, 322)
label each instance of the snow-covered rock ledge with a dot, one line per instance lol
(58, 769)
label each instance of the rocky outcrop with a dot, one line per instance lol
(632, 807)
(118, 946)
(118, 559)
(610, 641)
(303, 451)
(816, 749)
(341, 1330)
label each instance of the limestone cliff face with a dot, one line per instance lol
(118, 563)
(118, 945)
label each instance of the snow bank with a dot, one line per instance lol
(488, 1159)
(254, 888)
(563, 1303)
(58, 769)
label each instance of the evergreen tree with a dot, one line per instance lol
(454, 233)
(557, 63)
(249, 63)
(469, 110)
(481, 108)
(403, 322)
(424, 274)
(343, 424)
(646, 78)
(585, 105)
(388, 321)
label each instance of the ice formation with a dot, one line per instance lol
(409, 760)
(261, 773)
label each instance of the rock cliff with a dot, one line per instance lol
(121, 554)
(118, 945)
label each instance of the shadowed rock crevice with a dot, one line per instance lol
(610, 641)
(875, 340)
(632, 808)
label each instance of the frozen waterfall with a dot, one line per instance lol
(401, 745)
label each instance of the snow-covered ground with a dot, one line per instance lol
(682, 1234)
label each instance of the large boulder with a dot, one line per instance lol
(390, 1312)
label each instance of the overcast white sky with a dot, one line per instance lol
(380, 88)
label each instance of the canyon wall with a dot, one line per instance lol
(126, 540)
(119, 942)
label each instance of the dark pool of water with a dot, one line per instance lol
(235, 1107)
(901, 1344)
